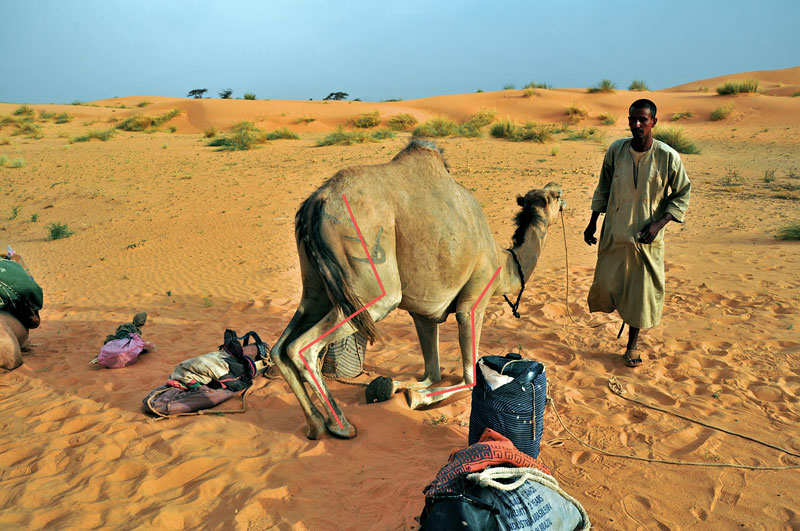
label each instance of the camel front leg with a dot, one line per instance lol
(469, 354)
(428, 333)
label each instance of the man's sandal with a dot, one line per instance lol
(632, 358)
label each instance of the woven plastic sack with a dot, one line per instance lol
(165, 400)
(345, 358)
(514, 409)
(121, 352)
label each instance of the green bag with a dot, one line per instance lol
(20, 295)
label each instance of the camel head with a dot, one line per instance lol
(540, 207)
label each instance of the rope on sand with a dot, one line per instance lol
(616, 388)
(489, 477)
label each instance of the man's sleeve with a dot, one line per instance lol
(601, 193)
(678, 199)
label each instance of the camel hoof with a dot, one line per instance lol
(347, 431)
(414, 398)
(316, 432)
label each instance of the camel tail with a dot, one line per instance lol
(308, 230)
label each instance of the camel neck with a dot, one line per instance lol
(528, 255)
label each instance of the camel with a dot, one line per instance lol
(431, 248)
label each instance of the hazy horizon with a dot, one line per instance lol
(60, 52)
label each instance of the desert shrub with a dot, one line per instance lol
(244, 126)
(554, 150)
(722, 112)
(141, 122)
(608, 119)
(575, 111)
(96, 134)
(605, 85)
(468, 130)
(210, 131)
(738, 86)
(702, 89)
(436, 127)
(503, 129)
(27, 127)
(638, 84)
(342, 137)
(17, 163)
(382, 134)
(225, 94)
(533, 132)
(508, 86)
(3, 160)
(401, 122)
(34, 217)
(46, 115)
(282, 133)
(63, 118)
(591, 133)
(528, 93)
(305, 120)
(23, 110)
(347, 138)
(144, 103)
(789, 232)
(57, 231)
(675, 138)
(680, 115)
(730, 179)
(483, 118)
(249, 96)
(796, 95)
(769, 176)
(535, 85)
(366, 120)
(239, 139)
(14, 212)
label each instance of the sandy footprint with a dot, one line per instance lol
(638, 509)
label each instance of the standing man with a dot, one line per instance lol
(642, 187)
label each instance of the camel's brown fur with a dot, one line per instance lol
(433, 251)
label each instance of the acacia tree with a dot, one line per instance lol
(196, 93)
(225, 94)
(336, 96)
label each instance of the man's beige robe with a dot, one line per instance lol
(629, 276)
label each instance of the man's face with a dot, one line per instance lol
(641, 123)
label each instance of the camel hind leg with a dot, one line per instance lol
(303, 354)
(301, 322)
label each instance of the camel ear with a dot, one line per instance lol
(520, 200)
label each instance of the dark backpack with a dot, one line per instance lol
(242, 367)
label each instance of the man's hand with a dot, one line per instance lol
(588, 234)
(650, 231)
(591, 228)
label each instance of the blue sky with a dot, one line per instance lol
(63, 51)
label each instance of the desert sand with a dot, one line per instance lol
(203, 240)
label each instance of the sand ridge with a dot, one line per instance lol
(203, 240)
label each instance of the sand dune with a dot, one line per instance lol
(203, 240)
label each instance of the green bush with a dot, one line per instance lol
(503, 129)
(144, 103)
(528, 93)
(239, 140)
(57, 231)
(680, 115)
(638, 84)
(535, 85)
(436, 127)
(96, 134)
(608, 119)
(738, 86)
(63, 118)
(789, 232)
(366, 120)
(282, 133)
(483, 118)
(508, 86)
(533, 132)
(305, 120)
(606, 85)
(401, 122)
(675, 138)
(17, 163)
(591, 133)
(347, 138)
(141, 122)
(722, 112)
(249, 96)
(210, 131)
(576, 112)
(23, 110)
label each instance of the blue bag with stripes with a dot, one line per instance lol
(515, 406)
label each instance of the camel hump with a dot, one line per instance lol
(309, 233)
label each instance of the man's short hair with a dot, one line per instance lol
(644, 104)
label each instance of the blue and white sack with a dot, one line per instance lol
(509, 397)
